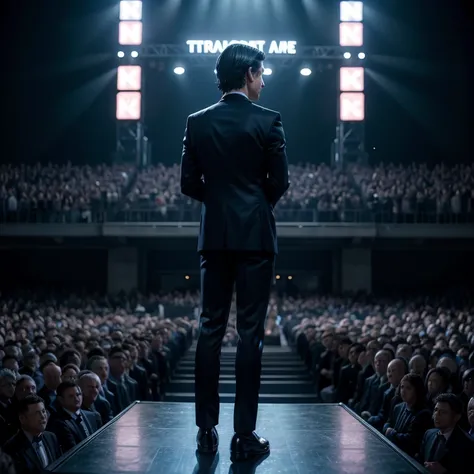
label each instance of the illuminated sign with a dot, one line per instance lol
(216, 47)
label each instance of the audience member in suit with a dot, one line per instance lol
(6, 464)
(138, 373)
(327, 361)
(25, 385)
(89, 384)
(52, 379)
(117, 382)
(348, 376)
(447, 449)
(328, 394)
(409, 420)
(366, 360)
(437, 382)
(375, 386)
(32, 448)
(470, 417)
(450, 364)
(396, 370)
(465, 396)
(71, 424)
(30, 366)
(8, 422)
(100, 366)
(417, 365)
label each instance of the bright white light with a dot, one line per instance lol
(130, 32)
(352, 11)
(352, 79)
(121, 54)
(134, 54)
(129, 78)
(361, 55)
(131, 10)
(267, 71)
(347, 55)
(179, 70)
(306, 71)
(215, 71)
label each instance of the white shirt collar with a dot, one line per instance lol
(447, 434)
(236, 92)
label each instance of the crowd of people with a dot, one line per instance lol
(68, 365)
(318, 193)
(405, 367)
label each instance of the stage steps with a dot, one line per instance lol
(284, 379)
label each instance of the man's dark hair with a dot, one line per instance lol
(452, 400)
(22, 405)
(63, 386)
(116, 350)
(233, 64)
(359, 348)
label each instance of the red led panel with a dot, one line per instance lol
(130, 33)
(352, 106)
(129, 78)
(351, 34)
(129, 106)
(352, 79)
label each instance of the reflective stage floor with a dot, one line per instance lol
(159, 438)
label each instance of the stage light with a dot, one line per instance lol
(187, 277)
(215, 71)
(351, 34)
(278, 277)
(129, 78)
(306, 71)
(290, 277)
(179, 70)
(267, 71)
(134, 54)
(352, 11)
(121, 54)
(361, 55)
(130, 32)
(351, 79)
(352, 107)
(347, 55)
(128, 106)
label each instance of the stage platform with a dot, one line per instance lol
(159, 438)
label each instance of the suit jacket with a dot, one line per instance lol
(347, 383)
(456, 454)
(24, 455)
(139, 374)
(68, 431)
(390, 400)
(110, 397)
(8, 421)
(102, 407)
(234, 162)
(47, 395)
(364, 374)
(372, 398)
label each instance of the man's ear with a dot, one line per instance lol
(249, 76)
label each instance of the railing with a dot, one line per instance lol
(192, 214)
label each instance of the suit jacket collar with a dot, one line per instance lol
(234, 97)
(29, 451)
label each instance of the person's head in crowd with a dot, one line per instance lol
(11, 363)
(90, 387)
(70, 356)
(31, 360)
(51, 375)
(405, 351)
(12, 350)
(448, 363)
(41, 344)
(80, 347)
(412, 390)
(413, 340)
(396, 370)
(95, 352)
(100, 366)
(372, 348)
(143, 350)
(47, 357)
(343, 347)
(437, 381)
(328, 340)
(455, 343)
(355, 350)
(381, 361)
(417, 365)
(470, 412)
(25, 386)
(117, 361)
(70, 372)
(32, 415)
(468, 383)
(7, 384)
(447, 412)
(69, 396)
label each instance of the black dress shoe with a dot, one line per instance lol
(247, 446)
(207, 441)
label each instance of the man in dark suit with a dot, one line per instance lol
(348, 376)
(234, 162)
(69, 422)
(91, 398)
(446, 449)
(32, 448)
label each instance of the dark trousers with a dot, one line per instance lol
(252, 275)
